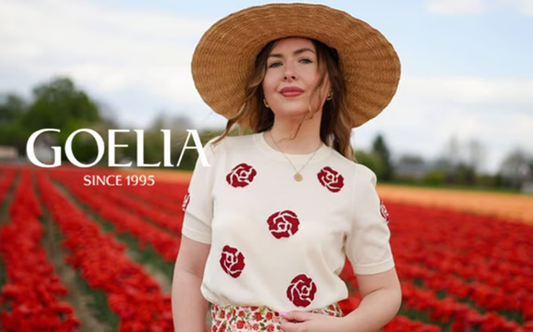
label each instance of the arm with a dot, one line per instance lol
(381, 299)
(188, 304)
(189, 308)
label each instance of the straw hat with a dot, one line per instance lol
(225, 55)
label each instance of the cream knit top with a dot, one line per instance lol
(280, 243)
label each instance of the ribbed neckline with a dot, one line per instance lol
(297, 159)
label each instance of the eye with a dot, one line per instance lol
(274, 64)
(306, 60)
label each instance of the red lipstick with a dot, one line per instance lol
(291, 91)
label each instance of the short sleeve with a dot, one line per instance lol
(198, 202)
(367, 244)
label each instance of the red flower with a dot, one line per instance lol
(383, 211)
(301, 291)
(232, 261)
(241, 175)
(186, 200)
(270, 328)
(331, 179)
(258, 316)
(240, 324)
(283, 224)
(269, 316)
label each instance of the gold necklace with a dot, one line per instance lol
(298, 175)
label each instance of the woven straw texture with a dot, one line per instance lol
(225, 55)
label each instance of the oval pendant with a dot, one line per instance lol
(298, 177)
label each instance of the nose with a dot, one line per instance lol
(289, 77)
(289, 73)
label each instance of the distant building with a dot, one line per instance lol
(525, 176)
(411, 171)
(8, 153)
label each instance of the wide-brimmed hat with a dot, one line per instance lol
(225, 55)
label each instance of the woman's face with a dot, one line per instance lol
(291, 78)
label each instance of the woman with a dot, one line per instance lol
(269, 224)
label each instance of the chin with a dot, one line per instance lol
(291, 110)
(288, 114)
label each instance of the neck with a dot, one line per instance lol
(286, 137)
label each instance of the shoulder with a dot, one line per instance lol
(360, 179)
(359, 171)
(365, 174)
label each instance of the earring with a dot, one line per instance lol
(330, 95)
(266, 104)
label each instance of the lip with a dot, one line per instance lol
(291, 91)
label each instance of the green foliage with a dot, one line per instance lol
(57, 103)
(371, 160)
(12, 108)
(435, 177)
(379, 147)
(14, 135)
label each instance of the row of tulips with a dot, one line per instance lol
(506, 206)
(169, 221)
(6, 180)
(475, 247)
(163, 195)
(422, 240)
(483, 295)
(33, 292)
(132, 294)
(164, 243)
(429, 245)
(398, 324)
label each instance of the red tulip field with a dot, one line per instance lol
(78, 257)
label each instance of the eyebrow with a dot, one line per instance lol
(298, 51)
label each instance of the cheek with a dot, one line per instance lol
(269, 85)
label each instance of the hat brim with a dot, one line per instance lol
(225, 55)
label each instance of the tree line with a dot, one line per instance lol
(60, 104)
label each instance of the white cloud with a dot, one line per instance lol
(471, 90)
(107, 48)
(470, 7)
(427, 112)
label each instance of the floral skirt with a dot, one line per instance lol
(243, 319)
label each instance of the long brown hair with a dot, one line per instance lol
(334, 126)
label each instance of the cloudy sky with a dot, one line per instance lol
(466, 64)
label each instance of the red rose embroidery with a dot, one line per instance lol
(301, 291)
(283, 224)
(383, 211)
(232, 261)
(241, 175)
(331, 179)
(186, 200)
